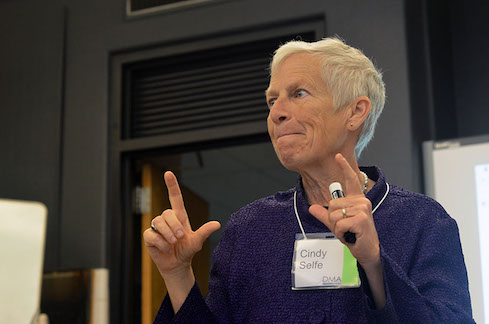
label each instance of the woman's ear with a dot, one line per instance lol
(359, 111)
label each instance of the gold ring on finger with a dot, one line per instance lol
(344, 212)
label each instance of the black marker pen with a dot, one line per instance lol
(337, 192)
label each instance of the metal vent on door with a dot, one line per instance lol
(199, 90)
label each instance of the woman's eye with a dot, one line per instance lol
(300, 93)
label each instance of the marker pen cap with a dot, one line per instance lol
(334, 187)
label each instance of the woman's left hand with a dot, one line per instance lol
(357, 218)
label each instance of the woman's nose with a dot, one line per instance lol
(279, 112)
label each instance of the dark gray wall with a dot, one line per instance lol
(451, 35)
(31, 38)
(470, 55)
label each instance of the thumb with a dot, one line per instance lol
(321, 214)
(207, 229)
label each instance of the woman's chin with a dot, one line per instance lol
(291, 162)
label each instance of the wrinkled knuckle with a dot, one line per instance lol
(146, 238)
(167, 234)
(147, 234)
(364, 208)
(166, 213)
(333, 204)
(368, 203)
(339, 215)
(150, 239)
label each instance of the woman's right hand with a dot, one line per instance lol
(174, 243)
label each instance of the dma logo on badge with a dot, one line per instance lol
(332, 279)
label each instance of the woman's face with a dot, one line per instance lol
(304, 129)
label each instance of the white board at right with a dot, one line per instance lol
(457, 176)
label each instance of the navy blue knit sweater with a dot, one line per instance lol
(424, 270)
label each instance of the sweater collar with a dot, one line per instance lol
(378, 191)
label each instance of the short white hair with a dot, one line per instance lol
(347, 73)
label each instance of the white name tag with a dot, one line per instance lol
(322, 262)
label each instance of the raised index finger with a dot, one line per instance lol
(174, 193)
(352, 186)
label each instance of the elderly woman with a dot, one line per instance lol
(324, 100)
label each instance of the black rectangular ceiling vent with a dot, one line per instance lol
(205, 89)
(141, 7)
